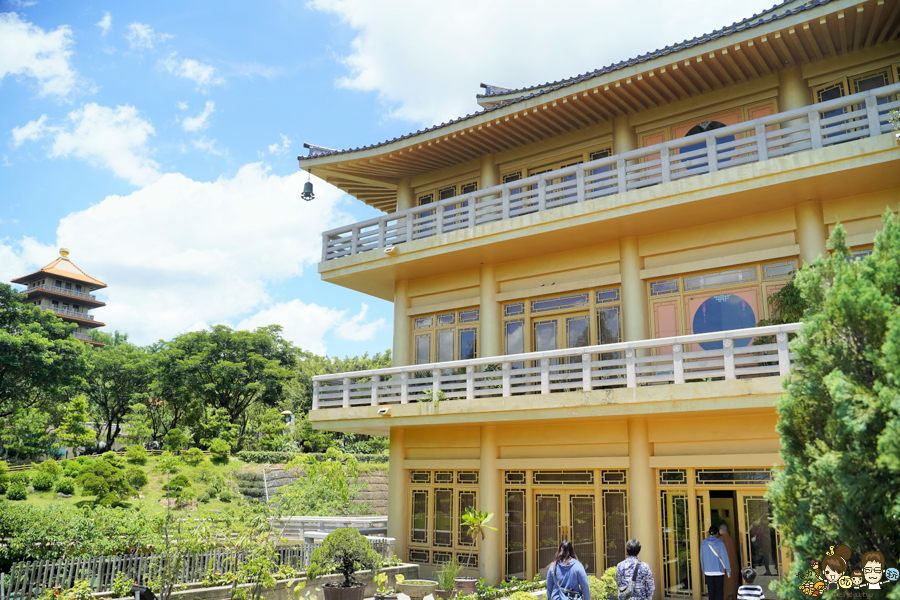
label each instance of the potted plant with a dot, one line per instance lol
(383, 592)
(418, 588)
(343, 551)
(476, 521)
(446, 578)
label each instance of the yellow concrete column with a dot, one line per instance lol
(401, 353)
(491, 551)
(489, 324)
(793, 91)
(634, 292)
(490, 171)
(811, 231)
(397, 494)
(624, 135)
(642, 497)
(405, 198)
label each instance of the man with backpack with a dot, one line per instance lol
(714, 563)
(634, 578)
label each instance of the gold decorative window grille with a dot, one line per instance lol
(420, 476)
(446, 319)
(613, 477)
(759, 476)
(559, 302)
(563, 478)
(672, 477)
(424, 322)
(443, 518)
(515, 528)
(780, 269)
(514, 309)
(735, 276)
(418, 556)
(442, 558)
(418, 533)
(468, 188)
(615, 526)
(467, 500)
(467, 477)
(666, 286)
(610, 295)
(443, 476)
(469, 316)
(514, 477)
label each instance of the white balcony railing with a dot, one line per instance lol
(82, 336)
(61, 290)
(68, 313)
(723, 355)
(825, 124)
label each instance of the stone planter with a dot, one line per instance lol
(466, 585)
(417, 591)
(332, 592)
(445, 594)
(385, 596)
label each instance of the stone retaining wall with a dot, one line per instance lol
(252, 485)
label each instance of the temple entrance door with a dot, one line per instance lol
(760, 544)
(563, 515)
(565, 331)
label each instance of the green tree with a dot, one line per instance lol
(270, 429)
(309, 364)
(839, 420)
(26, 433)
(176, 440)
(120, 375)
(215, 423)
(138, 427)
(106, 481)
(231, 370)
(73, 431)
(39, 358)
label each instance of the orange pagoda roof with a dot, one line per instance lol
(64, 268)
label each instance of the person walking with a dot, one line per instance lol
(714, 563)
(633, 571)
(566, 578)
(733, 581)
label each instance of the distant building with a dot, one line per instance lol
(63, 288)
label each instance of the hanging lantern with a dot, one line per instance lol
(308, 191)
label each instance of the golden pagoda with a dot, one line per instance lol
(64, 289)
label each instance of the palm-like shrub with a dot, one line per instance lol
(343, 551)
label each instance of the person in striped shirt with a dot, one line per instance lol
(748, 591)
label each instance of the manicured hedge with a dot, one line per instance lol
(283, 457)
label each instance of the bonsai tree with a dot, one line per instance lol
(343, 551)
(476, 521)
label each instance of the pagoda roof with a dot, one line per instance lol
(64, 268)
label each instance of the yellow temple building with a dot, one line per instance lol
(64, 289)
(578, 271)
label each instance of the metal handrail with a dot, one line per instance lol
(789, 132)
(61, 290)
(673, 360)
(68, 313)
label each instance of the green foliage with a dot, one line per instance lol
(604, 587)
(138, 424)
(121, 586)
(220, 451)
(51, 467)
(39, 358)
(448, 573)
(105, 481)
(43, 482)
(505, 589)
(476, 523)
(136, 477)
(215, 423)
(3, 486)
(20, 477)
(839, 419)
(327, 488)
(176, 440)
(194, 457)
(527, 596)
(136, 455)
(16, 491)
(65, 485)
(894, 120)
(271, 429)
(283, 457)
(113, 459)
(225, 496)
(787, 304)
(169, 463)
(27, 433)
(73, 431)
(70, 468)
(343, 551)
(80, 591)
(177, 484)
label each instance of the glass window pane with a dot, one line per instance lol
(609, 327)
(424, 322)
(447, 319)
(723, 312)
(468, 316)
(515, 533)
(466, 500)
(443, 517)
(419, 530)
(515, 340)
(514, 309)
(468, 340)
(547, 515)
(423, 349)
(675, 550)
(607, 296)
(615, 527)
(698, 282)
(559, 302)
(667, 286)
(544, 336)
(578, 332)
(445, 345)
(581, 525)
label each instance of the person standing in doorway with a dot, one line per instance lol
(566, 578)
(632, 573)
(714, 563)
(730, 589)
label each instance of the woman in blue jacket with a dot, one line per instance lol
(566, 576)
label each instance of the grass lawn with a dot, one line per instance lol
(200, 477)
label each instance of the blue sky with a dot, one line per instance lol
(158, 140)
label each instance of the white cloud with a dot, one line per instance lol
(209, 146)
(141, 36)
(30, 132)
(178, 253)
(181, 105)
(281, 148)
(201, 121)
(432, 72)
(28, 51)
(105, 24)
(356, 329)
(204, 75)
(23, 3)
(112, 138)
